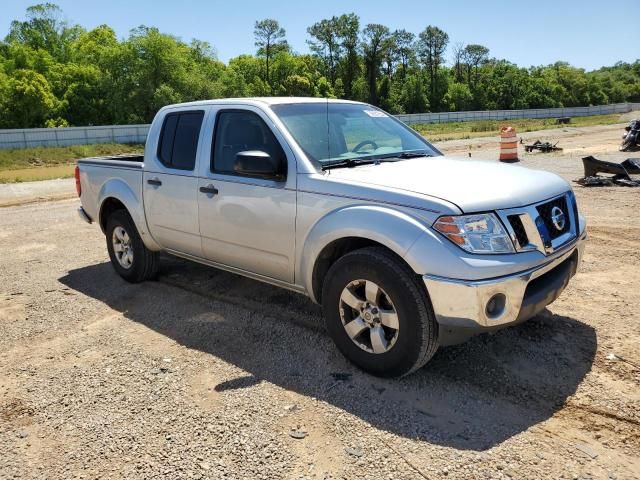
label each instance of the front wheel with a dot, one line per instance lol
(130, 258)
(378, 314)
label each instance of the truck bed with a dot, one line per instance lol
(96, 172)
(120, 161)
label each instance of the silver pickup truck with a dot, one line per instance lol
(404, 248)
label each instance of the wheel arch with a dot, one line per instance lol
(116, 195)
(352, 228)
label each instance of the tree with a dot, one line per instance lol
(458, 56)
(159, 65)
(44, 29)
(29, 101)
(404, 48)
(390, 55)
(298, 86)
(53, 73)
(431, 47)
(81, 93)
(348, 29)
(374, 45)
(326, 45)
(474, 55)
(270, 40)
(413, 96)
(458, 97)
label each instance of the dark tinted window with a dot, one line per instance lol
(166, 139)
(239, 131)
(179, 140)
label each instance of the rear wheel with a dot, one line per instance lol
(378, 314)
(130, 258)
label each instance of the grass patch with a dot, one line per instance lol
(38, 157)
(37, 173)
(438, 132)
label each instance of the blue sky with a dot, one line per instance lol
(588, 33)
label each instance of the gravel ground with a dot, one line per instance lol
(25, 192)
(204, 374)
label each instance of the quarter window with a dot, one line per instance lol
(179, 140)
(239, 131)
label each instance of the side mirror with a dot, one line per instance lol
(255, 163)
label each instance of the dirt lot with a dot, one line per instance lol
(204, 374)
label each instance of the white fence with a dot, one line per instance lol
(38, 137)
(46, 137)
(446, 117)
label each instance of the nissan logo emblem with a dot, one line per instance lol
(557, 218)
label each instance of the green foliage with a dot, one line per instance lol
(270, 41)
(431, 46)
(28, 100)
(459, 97)
(53, 73)
(375, 45)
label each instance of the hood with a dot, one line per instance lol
(474, 186)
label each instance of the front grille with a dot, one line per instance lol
(518, 229)
(544, 211)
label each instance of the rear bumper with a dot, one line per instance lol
(462, 304)
(83, 215)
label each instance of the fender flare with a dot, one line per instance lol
(121, 191)
(392, 228)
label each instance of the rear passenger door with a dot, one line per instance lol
(248, 222)
(170, 183)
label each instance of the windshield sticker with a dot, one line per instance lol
(375, 113)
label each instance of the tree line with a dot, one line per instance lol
(53, 73)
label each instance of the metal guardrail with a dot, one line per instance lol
(44, 137)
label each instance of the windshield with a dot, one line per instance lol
(334, 132)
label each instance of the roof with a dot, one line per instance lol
(263, 100)
(287, 100)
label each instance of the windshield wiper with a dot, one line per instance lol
(349, 163)
(374, 159)
(408, 154)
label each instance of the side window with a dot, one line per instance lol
(179, 139)
(239, 131)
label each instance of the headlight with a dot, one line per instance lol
(481, 233)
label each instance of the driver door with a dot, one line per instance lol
(248, 222)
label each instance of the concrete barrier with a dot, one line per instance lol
(47, 137)
(60, 137)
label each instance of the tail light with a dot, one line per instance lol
(77, 175)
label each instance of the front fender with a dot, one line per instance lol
(394, 229)
(121, 191)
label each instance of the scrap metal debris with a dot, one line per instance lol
(626, 174)
(631, 137)
(545, 147)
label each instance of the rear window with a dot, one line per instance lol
(179, 139)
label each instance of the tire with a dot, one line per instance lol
(399, 351)
(142, 264)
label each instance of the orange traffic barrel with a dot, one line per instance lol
(508, 145)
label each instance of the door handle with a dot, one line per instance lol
(154, 181)
(209, 190)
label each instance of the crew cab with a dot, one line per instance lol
(405, 249)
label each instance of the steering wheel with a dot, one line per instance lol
(363, 143)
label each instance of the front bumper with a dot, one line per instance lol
(462, 304)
